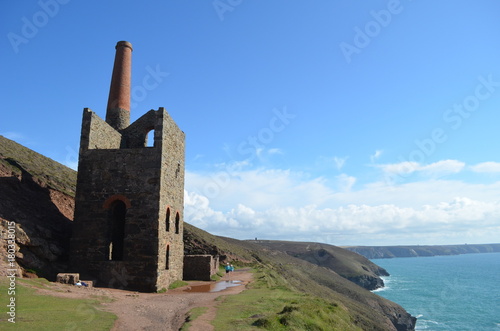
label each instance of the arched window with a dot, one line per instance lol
(150, 138)
(167, 257)
(167, 220)
(117, 213)
(177, 221)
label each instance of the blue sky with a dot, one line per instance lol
(346, 122)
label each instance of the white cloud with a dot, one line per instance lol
(259, 188)
(285, 204)
(339, 162)
(440, 168)
(376, 155)
(486, 167)
(402, 168)
(345, 182)
(449, 222)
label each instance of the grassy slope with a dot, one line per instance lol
(53, 174)
(343, 262)
(289, 278)
(197, 241)
(271, 304)
(44, 312)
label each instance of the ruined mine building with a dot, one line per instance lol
(128, 223)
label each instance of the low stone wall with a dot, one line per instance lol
(200, 267)
(68, 278)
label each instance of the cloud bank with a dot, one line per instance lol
(287, 205)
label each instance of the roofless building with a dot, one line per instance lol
(128, 223)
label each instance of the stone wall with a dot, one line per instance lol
(97, 134)
(170, 141)
(122, 237)
(200, 267)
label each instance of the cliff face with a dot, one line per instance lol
(385, 252)
(36, 208)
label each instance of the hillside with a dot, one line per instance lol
(349, 265)
(385, 252)
(18, 159)
(368, 310)
(37, 194)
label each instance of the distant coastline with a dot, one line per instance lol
(387, 252)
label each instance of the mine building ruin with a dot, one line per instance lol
(128, 223)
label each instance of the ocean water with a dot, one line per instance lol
(460, 292)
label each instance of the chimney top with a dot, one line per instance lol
(124, 44)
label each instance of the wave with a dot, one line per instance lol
(424, 324)
(385, 288)
(386, 280)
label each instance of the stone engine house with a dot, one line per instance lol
(128, 224)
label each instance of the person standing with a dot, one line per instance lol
(228, 268)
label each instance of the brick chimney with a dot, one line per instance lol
(118, 110)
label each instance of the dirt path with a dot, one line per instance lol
(160, 311)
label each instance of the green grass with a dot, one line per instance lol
(44, 312)
(217, 276)
(271, 304)
(192, 315)
(177, 283)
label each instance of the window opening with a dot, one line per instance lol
(177, 221)
(167, 220)
(150, 138)
(167, 258)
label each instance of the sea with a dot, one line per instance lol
(455, 293)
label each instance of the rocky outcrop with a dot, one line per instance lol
(385, 252)
(369, 282)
